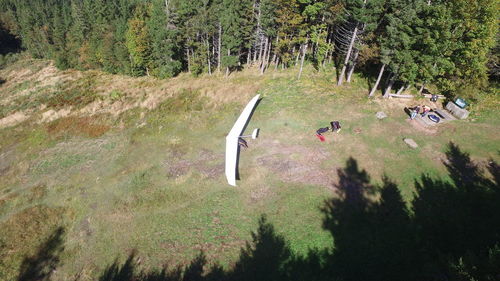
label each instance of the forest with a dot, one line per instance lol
(450, 44)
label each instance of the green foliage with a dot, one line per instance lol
(230, 61)
(115, 95)
(446, 43)
(164, 41)
(8, 58)
(318, 36)
(138, 42)
(236, 25)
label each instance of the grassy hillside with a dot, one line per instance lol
(119, 164)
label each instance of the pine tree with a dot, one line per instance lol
(289, 20)
(397, 46)
(61, 23)
(76, 34)
(360, 16)
(139, 42)
(473, 37)
(236, 30)
(164, 50)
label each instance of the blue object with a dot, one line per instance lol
(461, 103)
(434, 118)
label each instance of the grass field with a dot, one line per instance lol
(124, 164)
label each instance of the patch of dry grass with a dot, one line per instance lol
(77, 126)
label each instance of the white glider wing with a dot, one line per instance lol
(232, 141)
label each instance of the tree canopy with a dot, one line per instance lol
(447, 43)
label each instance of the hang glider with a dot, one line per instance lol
(232, 147)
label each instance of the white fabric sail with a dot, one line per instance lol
(232, 141)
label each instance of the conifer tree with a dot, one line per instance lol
(236, 29)
(139, 42)
(473, 36)
(76, 34)
(164, 48)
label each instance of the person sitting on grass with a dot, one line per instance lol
(322, 130)
(335, 126)
(425, 109)
(414, 111)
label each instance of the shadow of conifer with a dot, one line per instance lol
(41, 265)
(449, 231)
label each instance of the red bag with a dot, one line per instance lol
(321, 137)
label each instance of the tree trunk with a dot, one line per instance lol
(261, 50)
(327, 52)
(407, 87)
(274, 54)
(188, 60)
(374, 88)
(304, 50)
(347, 56)
(389, 87)
(402, 96)
(421, 89)
(227, 68)
(353, 64)
(268, 56)
(219, 48)
(258, 34)
(208, 57)
(332, 42)
(400, 90)
(249, 55)
(254, 55)
(263, 63)
(264, 53)
(298, 56)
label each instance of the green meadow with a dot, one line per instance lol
(150, 179)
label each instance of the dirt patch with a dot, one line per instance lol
(260, 193)
(210, 164)
(84, 227)
(13, 119)
(207, 164)
(211, 171)
(52, 115)
(307, 170)
(178, 168)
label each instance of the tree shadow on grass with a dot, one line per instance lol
(372, 237)
(449, 231)
(265, 258)
(459, 221)
(42, 264)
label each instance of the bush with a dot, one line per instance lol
(168, 70)
(8, 59)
